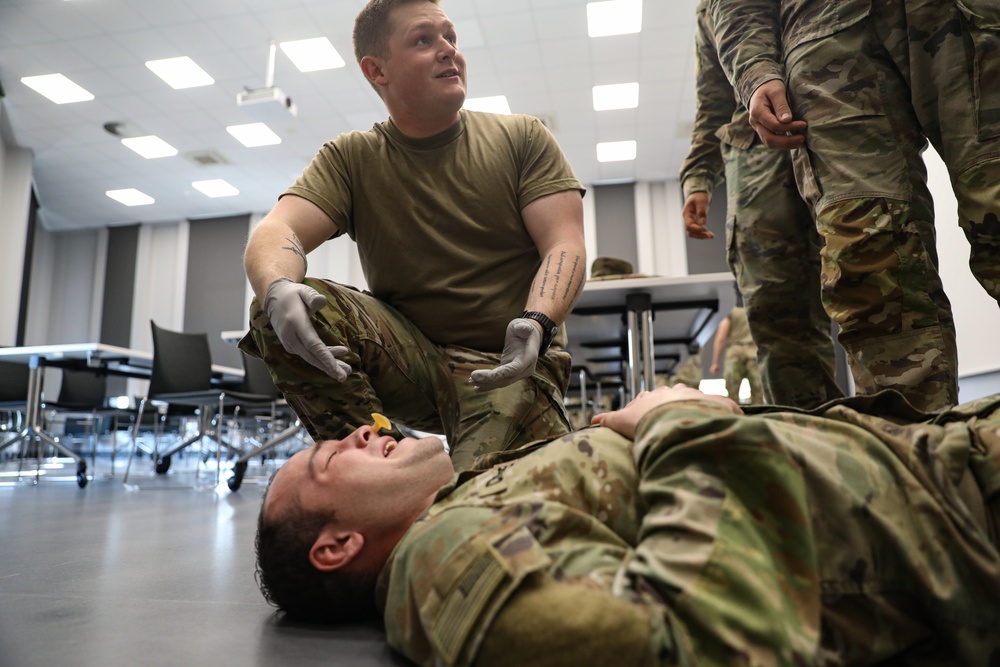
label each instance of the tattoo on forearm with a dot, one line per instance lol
(572, 276)
(558, 277)
(559, 274)
(545, 276)
(576, 292)
(296, 248)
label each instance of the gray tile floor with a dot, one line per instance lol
(160, 576)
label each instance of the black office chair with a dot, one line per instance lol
(83, 396)
(182, 376)
(13, 402)
(257, 380)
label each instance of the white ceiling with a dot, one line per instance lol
(536, 52)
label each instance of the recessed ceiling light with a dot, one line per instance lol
(616, 151)
(215, 188)
(149, 146)
(130, 197)
(252, 135)
(180, 72)
(494, 104)
(614, 17)
(57, 88)
(311, 55)
(616, 96)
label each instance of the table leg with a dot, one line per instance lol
(639, 315)
(33, 430)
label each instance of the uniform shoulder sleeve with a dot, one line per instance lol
(716, 103)
(450, 577)
(326, 182)
(543, 168)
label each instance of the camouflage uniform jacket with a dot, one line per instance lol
(720, 115)
(750, 33)
(788, 538)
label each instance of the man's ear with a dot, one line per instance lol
(371, 67)
(335, 548)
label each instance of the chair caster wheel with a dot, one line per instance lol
(81, 474)
(236, 480)
(162, 465)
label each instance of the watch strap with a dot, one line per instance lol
(549, 328)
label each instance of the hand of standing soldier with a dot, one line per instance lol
(771, 117)
(695, 214)
(520, 353)
(290, 305)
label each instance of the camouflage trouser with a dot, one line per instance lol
(773, 251)
(401, 374)
(741, 362)
(689, 373)
(872, 94)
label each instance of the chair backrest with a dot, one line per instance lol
(182, 362)
(83, 388)
(13, 382)
(256, 378)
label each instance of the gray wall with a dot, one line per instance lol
(216, 283)
(614, 209)
(119, 286)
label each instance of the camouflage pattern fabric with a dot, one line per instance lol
(741, 358)
(771, 239)
(781, 538)
(773, 250)
(401, 374)
(689, 373)
(741, 363)
(889, 77)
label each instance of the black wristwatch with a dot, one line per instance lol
(549, 328)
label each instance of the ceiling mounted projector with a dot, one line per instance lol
(272, 94)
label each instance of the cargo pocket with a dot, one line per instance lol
(983, 18)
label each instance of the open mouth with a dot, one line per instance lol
(388, 448)
(447, 74)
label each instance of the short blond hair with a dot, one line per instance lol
(372, 27)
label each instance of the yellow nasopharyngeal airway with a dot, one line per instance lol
(380, 423)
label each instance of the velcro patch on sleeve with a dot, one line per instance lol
(473, 584)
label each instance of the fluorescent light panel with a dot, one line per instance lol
(149, 147)
(616, 151)
(312, 55)
(252, 135)
(616, 96)
(57, 88)
(614, 17)
(180, 72)
(130, 197)
(215, 187)
(494, 104)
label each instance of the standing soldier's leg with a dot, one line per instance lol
(774, 252)
(733, 372)
(953, 58)
(864, 170)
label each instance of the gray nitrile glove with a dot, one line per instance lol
(289, 305)
(520, 352)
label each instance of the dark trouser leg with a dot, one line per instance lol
(774, 255)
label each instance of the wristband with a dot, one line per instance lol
(549, 328)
